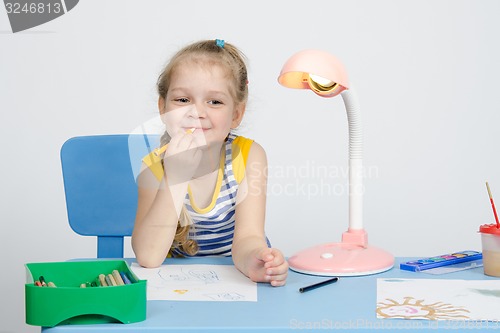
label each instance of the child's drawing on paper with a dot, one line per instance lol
(196, 283)
(411, 308)
(187, 274)
(207, 276)
(226, 297)
(438, 299)
(172, 277)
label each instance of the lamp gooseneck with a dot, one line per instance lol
(354, 123)
(355, 160)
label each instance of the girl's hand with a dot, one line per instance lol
(269, 265)
(182, 157)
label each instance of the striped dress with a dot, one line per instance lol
(213, 226)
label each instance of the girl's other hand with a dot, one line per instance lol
(269, 265)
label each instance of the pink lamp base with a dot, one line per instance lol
(341, 259)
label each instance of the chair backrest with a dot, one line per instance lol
(99, 173)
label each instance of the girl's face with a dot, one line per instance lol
(199, 98)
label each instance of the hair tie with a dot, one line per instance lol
(219, 43)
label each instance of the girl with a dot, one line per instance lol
(205, 192)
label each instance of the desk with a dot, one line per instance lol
(348, 305)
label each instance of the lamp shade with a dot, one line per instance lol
(317, 70)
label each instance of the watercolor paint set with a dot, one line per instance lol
(440, 261)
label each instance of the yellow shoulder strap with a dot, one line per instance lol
(153, 162)
(240, 150)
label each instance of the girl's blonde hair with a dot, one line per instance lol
(207, 53)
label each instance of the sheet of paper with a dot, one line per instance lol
(222, 283)
(438, 299)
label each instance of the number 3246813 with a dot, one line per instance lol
(33, 8)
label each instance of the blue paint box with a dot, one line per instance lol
(441, 260)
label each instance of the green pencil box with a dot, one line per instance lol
(67, 303)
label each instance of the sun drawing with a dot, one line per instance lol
(412, 308)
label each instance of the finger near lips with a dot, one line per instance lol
(196, 140)
(182, 142)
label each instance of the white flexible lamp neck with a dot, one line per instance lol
(355, 161)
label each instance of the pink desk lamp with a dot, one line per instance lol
(325, 75)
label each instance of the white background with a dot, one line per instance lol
(426, 74)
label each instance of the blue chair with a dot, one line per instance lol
(99, 173)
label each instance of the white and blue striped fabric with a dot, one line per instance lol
(214, 230)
